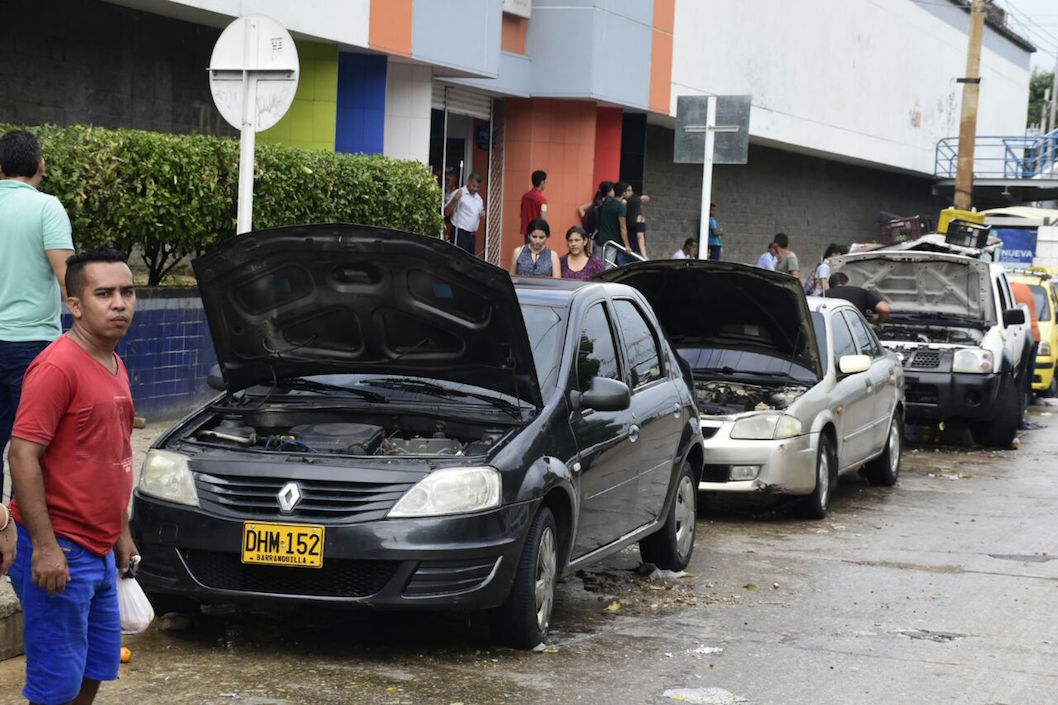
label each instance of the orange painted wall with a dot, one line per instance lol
(661, 56)
(607, 146)
(390, 26)
(557, 136)
(512, 34)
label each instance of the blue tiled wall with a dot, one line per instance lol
(361, 119)
(168, 353)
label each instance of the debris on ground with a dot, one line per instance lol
(708, 650)
(659, 574)
(703, 696)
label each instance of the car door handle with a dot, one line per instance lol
(676, 410)
(633, 433)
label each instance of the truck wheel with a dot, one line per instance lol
(524, 618)
(884, 469)
(1000, 430)
(670, 547)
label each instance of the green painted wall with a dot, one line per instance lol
(310, 122)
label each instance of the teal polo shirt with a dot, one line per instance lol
(31, 223)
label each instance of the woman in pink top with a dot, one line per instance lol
(577, 263)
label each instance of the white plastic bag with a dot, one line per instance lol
(135, 608)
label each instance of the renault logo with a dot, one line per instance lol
(289, 496)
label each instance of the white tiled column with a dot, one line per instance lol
(408, 94)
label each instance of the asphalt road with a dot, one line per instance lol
(939, 590)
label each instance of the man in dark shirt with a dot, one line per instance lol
(861, 298)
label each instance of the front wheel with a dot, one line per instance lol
(885, 469)
(670, 547)
(815, 505)
(524, 618)
(999, 431)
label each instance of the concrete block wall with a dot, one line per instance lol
(814, 201)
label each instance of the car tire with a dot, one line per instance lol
(524, 618)
(1000, 430)
(885, 469)
(815, 505)
(670, 548)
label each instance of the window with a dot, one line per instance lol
(865, 342)
(644, 362)
(1004, 300)
(596, 356)
(1039, 298)
(545, 327)
(819, 328)
(843, 343)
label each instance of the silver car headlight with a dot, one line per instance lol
(165, 475)
(973, 360)
(450, 491)
(766, 426)
(1045, 349)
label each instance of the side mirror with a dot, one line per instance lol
(851, 364)
(604, 394)
(215, 379)
(1013, 317)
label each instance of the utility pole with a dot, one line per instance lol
(964, 174)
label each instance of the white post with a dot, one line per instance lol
(707, 177)
(248, 134)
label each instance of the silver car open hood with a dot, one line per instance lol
(338, 298)
(923, 282)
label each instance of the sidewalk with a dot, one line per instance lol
(10, 612)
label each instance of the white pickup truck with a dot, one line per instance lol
(964, 343)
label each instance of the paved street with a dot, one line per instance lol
(939, 590)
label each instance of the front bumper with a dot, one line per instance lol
(460, 562)
(936, 396)
(1043, 374)
(787, 466)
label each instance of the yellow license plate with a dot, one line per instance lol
(292, 545)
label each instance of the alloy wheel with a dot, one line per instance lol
(546, 561)
(685, 516)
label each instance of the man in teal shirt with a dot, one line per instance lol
(35, 241)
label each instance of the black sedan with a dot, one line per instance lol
(404, 427)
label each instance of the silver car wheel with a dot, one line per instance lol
(823, 478)
(894, 447)
(546, 561)
(685, 516)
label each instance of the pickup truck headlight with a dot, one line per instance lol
(1044, 349)
(973, 360)
(165, 475)
(766, 426)
(450, 491)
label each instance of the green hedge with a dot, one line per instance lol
(171, 196)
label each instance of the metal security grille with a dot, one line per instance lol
(463, 101)
(494, 214)
(926, 358)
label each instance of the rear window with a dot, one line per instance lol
(1043, 305)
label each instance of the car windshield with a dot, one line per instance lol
(1039, 297)
(820, 327)
(545, 324)
(744, 364)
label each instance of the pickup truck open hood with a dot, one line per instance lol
(707, 303)
(340, 298)
(923, 282)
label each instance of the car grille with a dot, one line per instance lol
(320, 499)
(709, 431)
(928, 359)
(921, 394)
(449, 577)
(337, 577)
(716, 473)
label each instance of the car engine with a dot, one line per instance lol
(723, 398)
(952, 335)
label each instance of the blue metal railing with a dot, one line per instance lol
(997, 157)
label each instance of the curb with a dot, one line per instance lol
(10, 622)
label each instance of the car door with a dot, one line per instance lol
(882, 383)
(604, 467)
(852, 395)
(657, 415)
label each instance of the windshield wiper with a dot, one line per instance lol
(424, 387)
(311, 385)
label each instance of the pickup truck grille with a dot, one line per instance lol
(926, 359)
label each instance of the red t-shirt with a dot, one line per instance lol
(82, 414)
(531, 202)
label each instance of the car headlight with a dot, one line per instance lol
(451, 491)
(1044, 349)
(165, 475)
(973, 360)
(766, 426)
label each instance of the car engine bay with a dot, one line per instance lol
(721, 398)
(912, 334)
(405, 435)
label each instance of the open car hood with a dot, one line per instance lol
(923, 282)
(340, 298)
(724, 304)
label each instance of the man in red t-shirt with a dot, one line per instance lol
(534, 202)
(71, 468)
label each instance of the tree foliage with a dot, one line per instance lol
(1039, 108)
(173, 196)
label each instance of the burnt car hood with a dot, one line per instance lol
(923, 282)
(711, 303)
(339, 298)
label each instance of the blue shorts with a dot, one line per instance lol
(74, 635)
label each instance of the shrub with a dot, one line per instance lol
(173, 196)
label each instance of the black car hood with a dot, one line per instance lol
(339, 298)
(709, 303)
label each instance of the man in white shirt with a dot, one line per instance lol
(466, 210)
(770, 257)
(688, 251)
